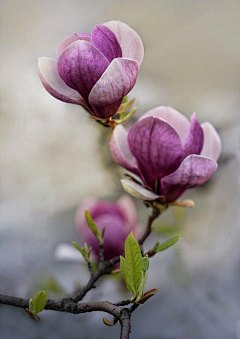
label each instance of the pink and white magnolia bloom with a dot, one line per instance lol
(94, 70)
(166, 153)
(119, 218)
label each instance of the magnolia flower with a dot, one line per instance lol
(94, 70)
(166, 154)
(119, 218)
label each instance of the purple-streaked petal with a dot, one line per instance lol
(178, 121)
(212, 145)
(106, 42)
(116, 82)
(81, 65)
(157, 148)
(120, 150)
(70, 39)
(194, 141)
(129, 40)
(137, 191)
(128, 208)
(194, 171)
(48, 73)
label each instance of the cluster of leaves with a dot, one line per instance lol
(134, 267)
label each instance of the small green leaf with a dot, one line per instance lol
(155, 246)
(39, 302)
(83, 253)
(167, 244)
(93, 226)
(133, 258)
(145, 264)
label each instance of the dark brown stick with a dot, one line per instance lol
(151, 218)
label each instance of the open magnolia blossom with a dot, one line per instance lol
(94, 70)
(166, 153)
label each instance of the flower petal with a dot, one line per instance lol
(129, 210)
(157, 148)
(120, 150)
(81, 65)
(48, 73)
(212, 143)
(71, 38)
(106, 42)
(194, 141)
(129, 40)
(116, 82)
(178, 121)
(137, 191)
(194, 171)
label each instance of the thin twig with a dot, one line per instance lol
(151, 218)
(123, 303)
(90, 268)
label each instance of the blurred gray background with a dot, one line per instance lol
(53, 156)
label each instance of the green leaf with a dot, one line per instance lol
(93, 226)
(83, 253)
(134, 265)
(123, 267)
(145, 264)
(167, 244)
(142, 287)
(39, 302)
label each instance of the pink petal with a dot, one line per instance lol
(120, 150)
(128, 209)
(71, 38)
(137, 191)
(156, 147)
(212, 143)
(81, 65)
(194, 141)
(178, 121)
(106, 42)
(48, 73)
(116, 82)
(194, 171)
(129, 40)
